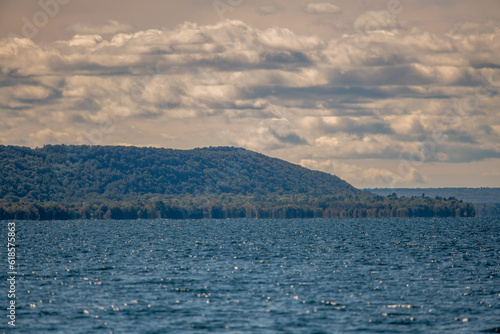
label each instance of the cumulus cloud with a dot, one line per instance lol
(321, 8)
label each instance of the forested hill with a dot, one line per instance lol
(76, 173)
(117, 182)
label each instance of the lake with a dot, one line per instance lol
(255, 276)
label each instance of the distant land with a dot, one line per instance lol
(122, 182)
(486, 200)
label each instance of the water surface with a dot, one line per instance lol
(257, 276)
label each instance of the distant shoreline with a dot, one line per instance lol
(486, 200)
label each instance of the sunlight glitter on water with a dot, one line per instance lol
(265, 276)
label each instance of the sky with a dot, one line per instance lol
(382, 93)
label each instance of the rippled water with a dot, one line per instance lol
(257, 276)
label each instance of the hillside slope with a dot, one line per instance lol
(75, 173)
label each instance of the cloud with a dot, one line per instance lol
(367, 177)
(321, 8)
(355, 125)
(372, 21)
(275, 132)
(269, 9)
(34, 93)
(48, 136)
(86, 41)
(380, 93)
(111, 27)
(290, 138)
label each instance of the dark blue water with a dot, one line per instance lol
(256, 276)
